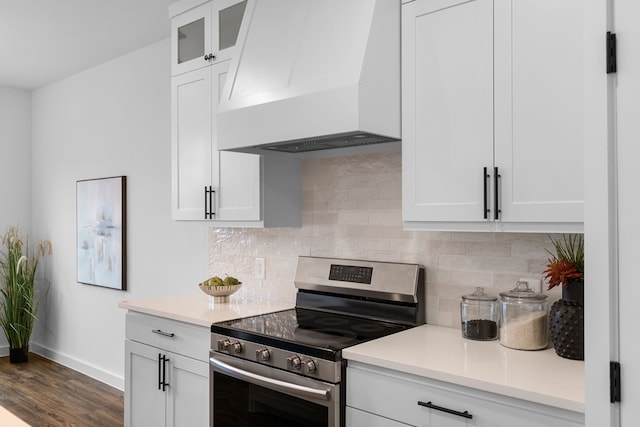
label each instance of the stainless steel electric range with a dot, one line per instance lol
(286, 368)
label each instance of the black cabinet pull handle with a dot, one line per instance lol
(209, 57)
(206, 201)
(163, 333)
(496, 188)
(159, 371)
(165, 359)
(430, 405)
(162, 372)
(485, 178)
(209, 210)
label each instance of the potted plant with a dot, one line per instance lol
(566, 317)
(566, 267)
(19, 301)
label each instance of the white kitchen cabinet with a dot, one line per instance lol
(389, 397)
(492, 115)
(231, 189)
(356, 417)
(166, 373)
(197, 165)
(203, 35)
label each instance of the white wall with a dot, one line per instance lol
(110, 120)
(15, 152)
(15, 165)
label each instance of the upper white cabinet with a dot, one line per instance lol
(234, 189)
(198, 168)
(205, 34)
(492, 115)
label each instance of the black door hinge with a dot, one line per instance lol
(611, 53)
(614, 381)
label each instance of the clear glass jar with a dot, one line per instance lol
(479, 314)
(524, 318)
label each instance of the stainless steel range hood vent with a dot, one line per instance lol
(310, 75)
(351, 139)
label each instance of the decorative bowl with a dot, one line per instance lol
(219, 293)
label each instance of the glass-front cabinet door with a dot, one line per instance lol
(205, 35)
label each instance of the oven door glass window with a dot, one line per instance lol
(237, 403)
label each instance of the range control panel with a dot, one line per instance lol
(393, 281)
(351, 273)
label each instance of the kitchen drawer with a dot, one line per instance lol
(169, 335)
(395, 395)
(358, 418)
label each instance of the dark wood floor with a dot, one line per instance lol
(44, 393)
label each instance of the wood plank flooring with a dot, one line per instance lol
(44, 393)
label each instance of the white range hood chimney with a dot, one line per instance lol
(311, 75)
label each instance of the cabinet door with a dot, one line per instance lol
(191, 152)
(196, 161)
(238, 195)
(188, 396)
(144, 403)
(358, 418)
(205, 35)
(539, 108)
(191, 39)
(227, 16)
(447, 104)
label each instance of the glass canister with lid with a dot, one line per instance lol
(524, 318)
(480, 316)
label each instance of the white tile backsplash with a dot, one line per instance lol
(352, 209)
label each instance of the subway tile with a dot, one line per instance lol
(442, 247)
(355, 218)
(385, 218)
(473, 237)
(488, 249)
(373, 204)
(352, 209)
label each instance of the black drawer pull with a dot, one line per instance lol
(464, 414)
(485, 177)
(163, 333)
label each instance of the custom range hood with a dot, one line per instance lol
(312, 75)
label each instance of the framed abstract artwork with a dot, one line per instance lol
(101, 232)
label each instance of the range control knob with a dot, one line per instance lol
(309, 366)
(235, 347)
(263, 354)
(223, 345)
(294, 362)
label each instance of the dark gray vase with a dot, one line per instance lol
(574, 291)
(566, 329)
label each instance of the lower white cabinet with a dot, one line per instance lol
(356, 417)
(379, 397)
(166, 373)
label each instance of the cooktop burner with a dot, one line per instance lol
(313, 332)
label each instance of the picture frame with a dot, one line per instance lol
(101, 232)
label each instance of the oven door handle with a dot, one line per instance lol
(273, 384)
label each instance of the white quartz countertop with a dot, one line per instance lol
(442, 354)
(200, 309)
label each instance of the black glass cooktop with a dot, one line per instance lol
(310, 332)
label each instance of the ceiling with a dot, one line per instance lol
(42, 41)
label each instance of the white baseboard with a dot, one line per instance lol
(77, 365)
(4, 350)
